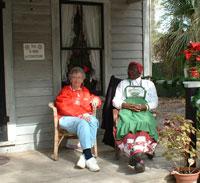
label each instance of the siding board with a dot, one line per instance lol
(31, 111)
(36, 28)
(30, 8)
(127, 35)
(32, 37)
(35, 139)
(126, 46)
(126, 38)
(33, 79)
(120, 71)
(127, 14)
(38, 2)
(127, 22)
(125, 6)
(33, 84)
(33, 67)
(126, 54)
(27, 146)
(21, 77)
(34, 129)
(30, 92)
(41, 76)
(35, 120)
(118, 63)
(32, 19)
(35, 71)
(33, 101)
(126, 30)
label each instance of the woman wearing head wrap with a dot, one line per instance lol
(136, 126)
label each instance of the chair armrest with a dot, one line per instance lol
(115, 116)
(154, 112)
(55, 113)
(52, 106)
(94, 110)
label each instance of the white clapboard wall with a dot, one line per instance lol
(127, 35)
(32, 78)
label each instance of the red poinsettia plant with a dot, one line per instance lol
(192, 53)
(192, 57)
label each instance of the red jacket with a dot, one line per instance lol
(71, 102)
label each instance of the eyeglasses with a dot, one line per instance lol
(77, 78)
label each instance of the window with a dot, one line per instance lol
(82, 41)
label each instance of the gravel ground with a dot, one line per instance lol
(169, 106)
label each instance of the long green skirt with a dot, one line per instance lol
(133, 122)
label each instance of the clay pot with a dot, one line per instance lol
(193, 73)
(186, 177)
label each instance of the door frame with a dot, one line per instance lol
(3, 118)
(9, 76)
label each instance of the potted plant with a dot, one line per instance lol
(192, 57)
(175, 137)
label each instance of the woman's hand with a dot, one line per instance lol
(95, 102)
(85, 116)
(134, 107)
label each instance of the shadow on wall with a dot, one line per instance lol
(44, 134)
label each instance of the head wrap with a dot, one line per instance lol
(136, 65)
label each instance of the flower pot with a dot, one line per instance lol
(194, 74)
(186, 177)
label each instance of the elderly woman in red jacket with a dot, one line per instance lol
(75, 104)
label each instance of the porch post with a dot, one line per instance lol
(3, 115)
(191, 88)
(146, 38)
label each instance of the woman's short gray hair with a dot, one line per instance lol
(76, 70)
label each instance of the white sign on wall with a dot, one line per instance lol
(33, 51)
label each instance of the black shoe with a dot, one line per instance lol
(132, 162)
(134, 159)
(150, 156)
(139, 167)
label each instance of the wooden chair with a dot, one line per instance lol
(60, 134)
(107, 115)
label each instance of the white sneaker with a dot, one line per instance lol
(81, 162)
(92, 165)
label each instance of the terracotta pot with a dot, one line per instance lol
(194, 73)
(186, 178)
